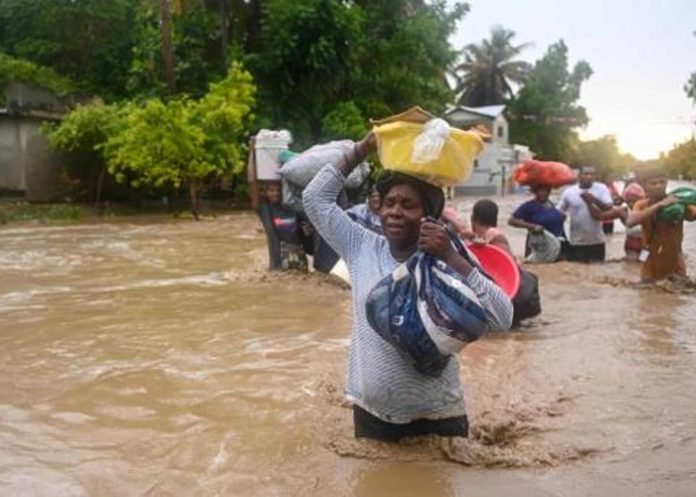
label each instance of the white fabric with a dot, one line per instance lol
(584, 229)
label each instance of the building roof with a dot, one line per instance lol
(490, 111)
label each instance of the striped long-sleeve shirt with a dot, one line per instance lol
(380, 380)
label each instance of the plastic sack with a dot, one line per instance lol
(527, 302)
(300, 170)
(676, 212)
(292, 197)
(544, 247)
(426, 151)
(426, 311)
(535, 172)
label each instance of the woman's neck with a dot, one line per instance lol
(402, 254)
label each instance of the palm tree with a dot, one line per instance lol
(488, 71)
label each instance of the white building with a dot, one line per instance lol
(492, 168)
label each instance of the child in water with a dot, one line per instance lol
(484, 224)
(634, 235)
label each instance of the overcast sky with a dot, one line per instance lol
(641, 51)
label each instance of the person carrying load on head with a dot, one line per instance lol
(539, 215)
(287, 236)
(392, 398)
(546, 240)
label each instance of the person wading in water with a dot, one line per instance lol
(391, 399)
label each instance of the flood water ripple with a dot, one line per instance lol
(153, 357)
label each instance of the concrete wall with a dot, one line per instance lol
(27, 165)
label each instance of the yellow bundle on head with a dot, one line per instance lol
(433, 151)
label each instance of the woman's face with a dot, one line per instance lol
(374, 202)
(542, 193)
(401, 214)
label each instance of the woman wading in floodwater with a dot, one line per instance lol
(392, 400)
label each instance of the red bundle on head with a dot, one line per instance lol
(535, 172)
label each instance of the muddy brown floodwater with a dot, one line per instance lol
(158, 358)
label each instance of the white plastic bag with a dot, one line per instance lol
(544, 246)
(428, 145)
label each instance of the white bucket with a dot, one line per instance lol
(267, 146)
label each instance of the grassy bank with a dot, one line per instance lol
(24, 211)
(56, 213)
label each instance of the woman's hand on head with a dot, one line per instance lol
(367, 145)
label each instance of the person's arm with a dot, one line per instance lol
(319, 201)
(606, 215)
(251, 175)
(521, 223)
(496, 304)
(501, 242)
(637, 216)
(563, 202)
(519, 219)
(604, 200)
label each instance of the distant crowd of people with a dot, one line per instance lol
(592, 206)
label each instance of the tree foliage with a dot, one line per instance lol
(87, 40)
(13, 69)
(603, 153)
(690, 86)
(383, 56)
(183, 142)
(488, 71)
(681, 160)
(82, 136)
(545, 112)
(405, 54)
(194, 51)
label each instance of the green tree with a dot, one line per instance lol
(344, 121)
(603, 153)
(82, 136)
(690, 86)
(382, 55)
(545, 112)
(184, 142)
(681, 160)
(489, 70)
(405, 54)
(181, 59)
(308, 51)
(14, 69)
(87, 40)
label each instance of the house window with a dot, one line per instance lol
(501, 131)
(476, 164)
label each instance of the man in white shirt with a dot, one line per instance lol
(587, 242)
